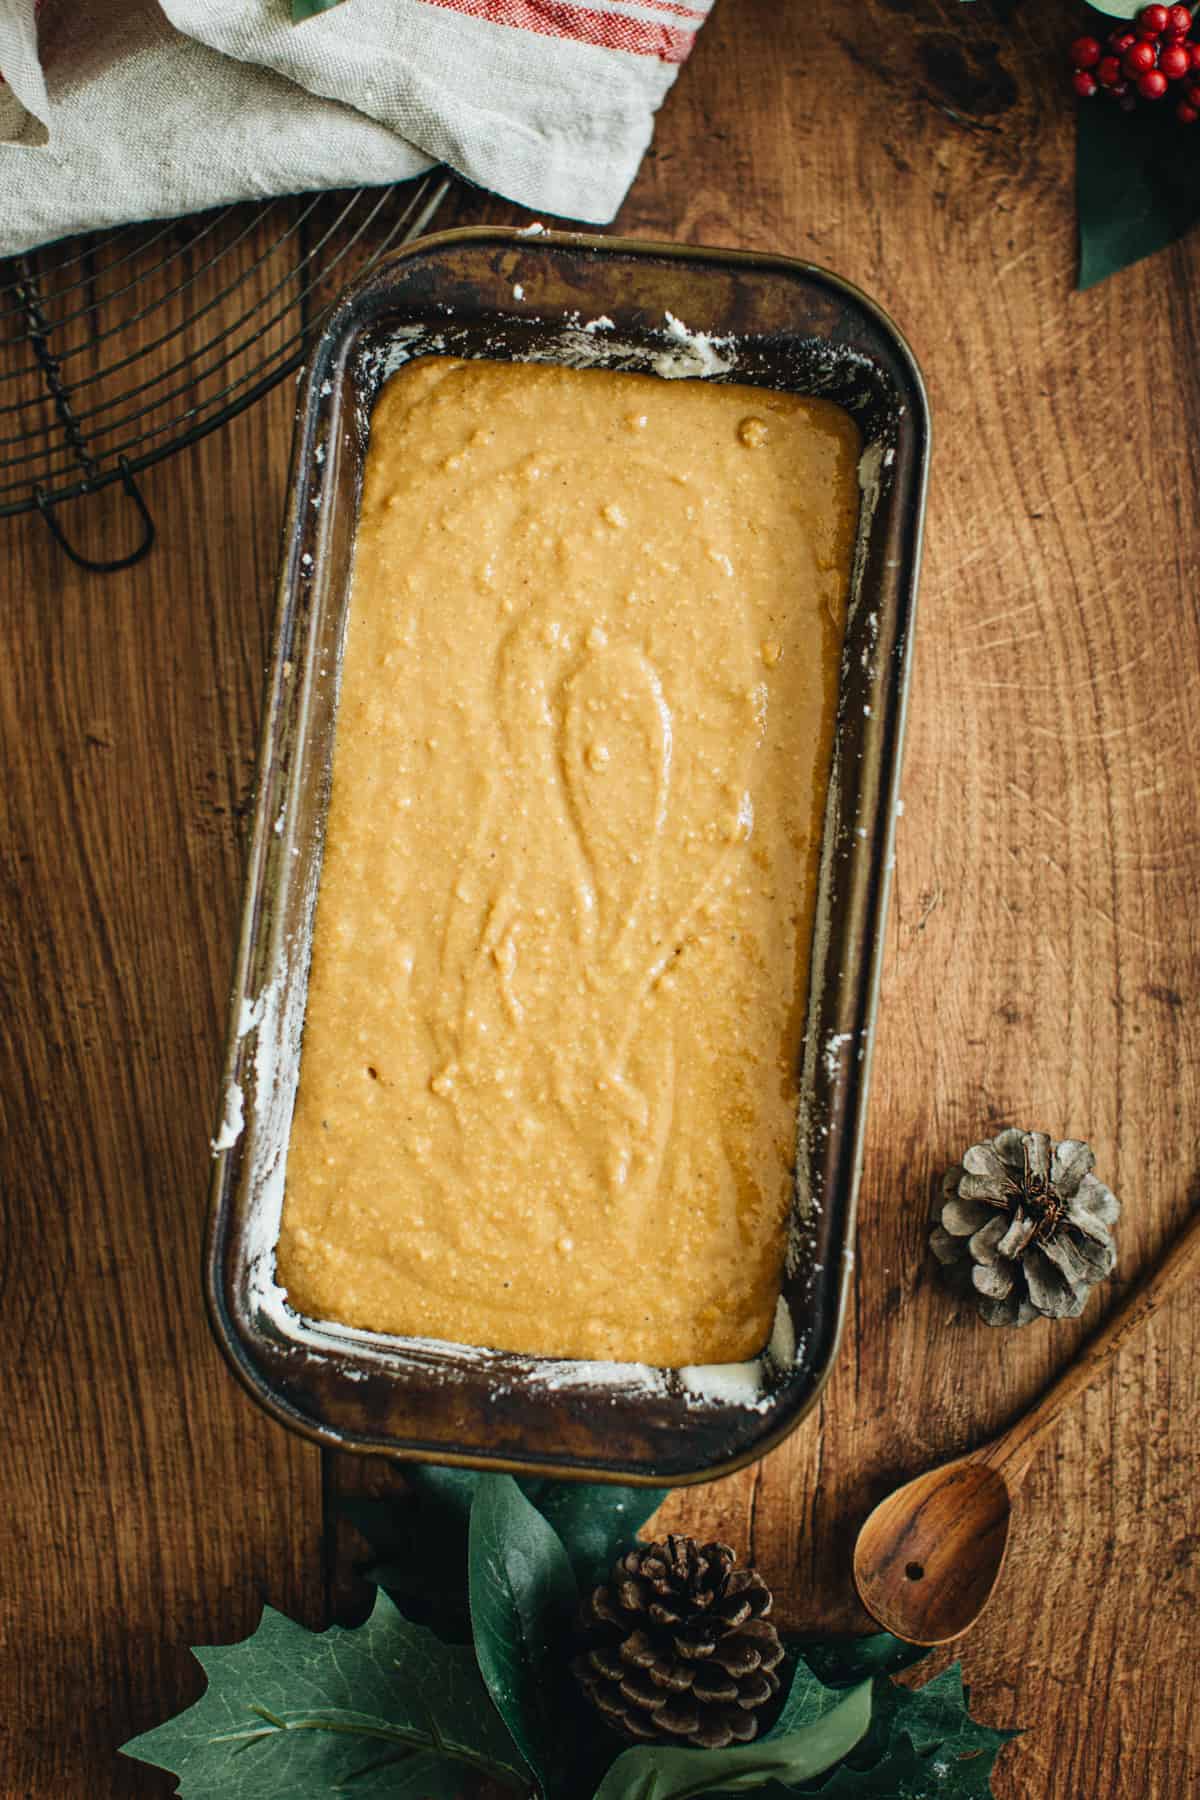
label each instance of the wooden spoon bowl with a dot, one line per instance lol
(928, 1557)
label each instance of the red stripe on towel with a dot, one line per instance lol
(562, 19)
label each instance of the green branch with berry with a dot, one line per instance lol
(1136, 174)
(1142, 63)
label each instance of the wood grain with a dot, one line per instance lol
(1043, 958)
(1042, 965)
(146, 1503)
(930, 1555)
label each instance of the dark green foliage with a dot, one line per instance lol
(398, 1710)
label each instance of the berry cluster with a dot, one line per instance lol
(1142, 64)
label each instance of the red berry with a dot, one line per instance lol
(1152, 85)
(1191, 94)
(1153, 20)
(1108, 71)
(1084, 83)
(1193, 51)
(1138, 58)
(1121, 41)
(1086, 52)
(1174, 62)
(1187, 115)
(1179, 21)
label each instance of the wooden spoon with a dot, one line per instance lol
(927, 1559)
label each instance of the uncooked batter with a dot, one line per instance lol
(548, 1086)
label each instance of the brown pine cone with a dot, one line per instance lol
(677, 1646)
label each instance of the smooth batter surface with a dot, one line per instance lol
(548, 1082)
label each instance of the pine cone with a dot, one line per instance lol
(677, 1646)
(1025, 1227)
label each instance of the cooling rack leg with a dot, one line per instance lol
(46, 508)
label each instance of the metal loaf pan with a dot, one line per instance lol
(658, 308)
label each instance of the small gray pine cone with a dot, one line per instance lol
(677, 1647)
(1025, 1227)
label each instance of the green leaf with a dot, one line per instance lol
(936, 1716)
(904, 1775)
(523, 1598)
(290, 1714)
(453, 1489)
(922, 1744)
(654, 1772)
(808, 1700)
(842, 1661)
(420, 1540)
(1136, 185)
(400, 1775)
(594, 1520)
(308, 9)
(907, 1773)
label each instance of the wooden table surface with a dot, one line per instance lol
(1042, 964)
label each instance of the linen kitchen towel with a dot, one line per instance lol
(139, 109)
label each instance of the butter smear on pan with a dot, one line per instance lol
(548, 1082)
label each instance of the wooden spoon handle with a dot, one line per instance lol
(1016, 1449)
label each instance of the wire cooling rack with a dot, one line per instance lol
(119, 348)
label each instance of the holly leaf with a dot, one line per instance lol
(922, 1745)
(906, 1774)
(807, 1700)
(1135, 183)
(523, 1598)
(290, 1714)
(936, 1717)
(658, 1772)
